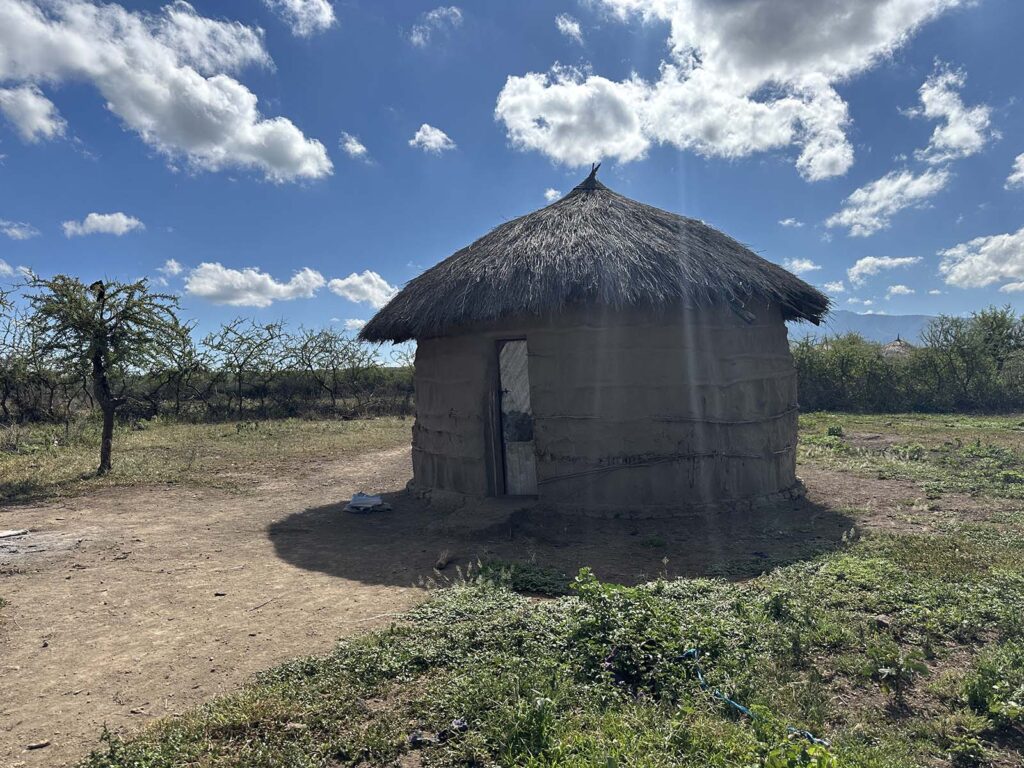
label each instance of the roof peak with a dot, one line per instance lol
(591, 182)
(592, 247)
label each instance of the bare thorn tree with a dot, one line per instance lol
(325, 355)
(246, 350)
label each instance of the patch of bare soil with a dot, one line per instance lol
(135, 603)
(894, 505)
(131, 604)
(871, 441)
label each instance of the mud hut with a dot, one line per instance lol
(604, 356)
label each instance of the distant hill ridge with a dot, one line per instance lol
(880, 328)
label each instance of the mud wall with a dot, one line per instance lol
(633, 410)
(452, 436)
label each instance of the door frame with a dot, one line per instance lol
(495, 442)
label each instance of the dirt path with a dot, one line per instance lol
(131, 604)
(136, 603)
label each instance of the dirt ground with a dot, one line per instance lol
(131, 604)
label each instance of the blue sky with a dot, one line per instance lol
(204, 145)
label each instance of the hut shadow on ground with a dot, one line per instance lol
(401, 546)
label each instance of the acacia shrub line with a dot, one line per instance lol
(972, 364)
(244, 369)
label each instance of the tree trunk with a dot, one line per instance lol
(106, 441)
(108, 405)
(67, 418)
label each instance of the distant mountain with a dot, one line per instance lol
(880, 328)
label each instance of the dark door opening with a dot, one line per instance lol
(519, 457)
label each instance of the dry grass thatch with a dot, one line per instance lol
(592, 246)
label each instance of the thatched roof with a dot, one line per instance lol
(592, 246)
(897, 348)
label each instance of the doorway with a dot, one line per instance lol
(517, 445)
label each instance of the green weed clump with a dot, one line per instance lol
(526, 577)
(892, 667)
(995, 686)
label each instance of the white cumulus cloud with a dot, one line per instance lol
(171, 268)
(440, 19)
(18, 230)
(165, 76)
(899, 290)
(1016, 178)
(872, 265)
(208, 45)
(354, 325)
(305, 17)
(249, 287)
(353, 147)
(871, 207)
(742, 77)
(791, 222)
(569, 27)
(835, 287)
(574, 119)
(366, 286)
(800, 266)
(431, 139)
(103, 224)
(984, 261)
(964, 130)
(33, 115)
(551, 194)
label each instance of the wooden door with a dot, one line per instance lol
(517, 420)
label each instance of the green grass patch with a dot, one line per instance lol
(944, 454)
(482, 676)
(527, 578)
(927, 428)
(42, 460)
